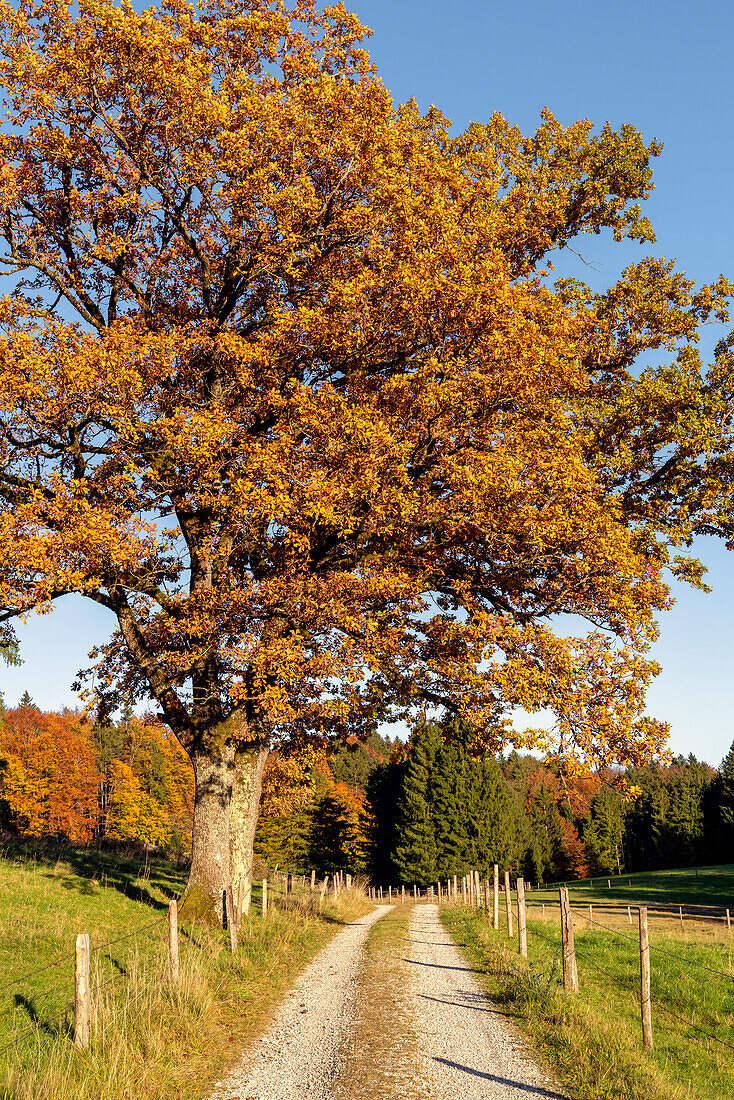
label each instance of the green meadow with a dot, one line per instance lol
(149, 1040)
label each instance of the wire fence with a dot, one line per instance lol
(562, 943)
(51, 1011)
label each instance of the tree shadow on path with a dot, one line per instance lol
(532, 1090)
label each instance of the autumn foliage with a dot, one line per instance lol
(48, 774)
(58, 777)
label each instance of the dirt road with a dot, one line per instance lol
(397, 1015)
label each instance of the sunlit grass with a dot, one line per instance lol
(148, 1040)
(593, 1039)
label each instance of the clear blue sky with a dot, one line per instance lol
(667, 69)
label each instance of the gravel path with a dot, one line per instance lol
(297, 1056)
(468, 1049)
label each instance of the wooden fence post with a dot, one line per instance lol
(486, 898)
(522, 931)
(477, 889)
(463, 890)
(508, 904)
(570, 971)
(324, 888)
(645, 982)
(336, 887)
(173, 941)
(82, 997)
(680, 910)
(265, 897)
(415, 892)
(629, 914)
(496, 899)
(728, 921)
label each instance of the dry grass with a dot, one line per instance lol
(148, 1040)
(592, 1040)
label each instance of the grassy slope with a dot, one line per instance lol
(689, 886)
(147, 1040)
(592, 1040)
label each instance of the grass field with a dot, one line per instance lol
(592, 1040)
(147, 1039)
(689, 886)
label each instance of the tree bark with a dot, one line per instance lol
(210, 877)
(245, 807)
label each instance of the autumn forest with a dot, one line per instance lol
(395, 812)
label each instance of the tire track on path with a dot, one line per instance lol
(467, 1048)
(298, 1056)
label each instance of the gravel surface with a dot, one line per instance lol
(468, 1049)
(298, 1055)
(457, 1044)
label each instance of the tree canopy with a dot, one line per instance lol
(286, 385)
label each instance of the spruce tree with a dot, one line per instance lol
(726, 772)
(603, 832)
(384, 789)
(502, 832)
(726, 796)
(449, 797)
(415, 854)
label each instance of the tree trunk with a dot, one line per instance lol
(210, 878)
(245, 807)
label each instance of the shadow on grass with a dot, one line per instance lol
(151, 879)
(54, 1025)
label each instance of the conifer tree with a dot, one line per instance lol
(502, 834)
(449, 797)
(722, 812)
(726, 796)
(603, 831)
(384, 788)
(415, 854)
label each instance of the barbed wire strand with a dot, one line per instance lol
(658, 1004)
(690, 962)
(614, 931)
(39, 970)
(689, 1023)
(656, 947)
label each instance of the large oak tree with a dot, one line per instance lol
(285, 385)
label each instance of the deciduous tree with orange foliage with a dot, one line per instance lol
(285, 386)
(48, 774)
